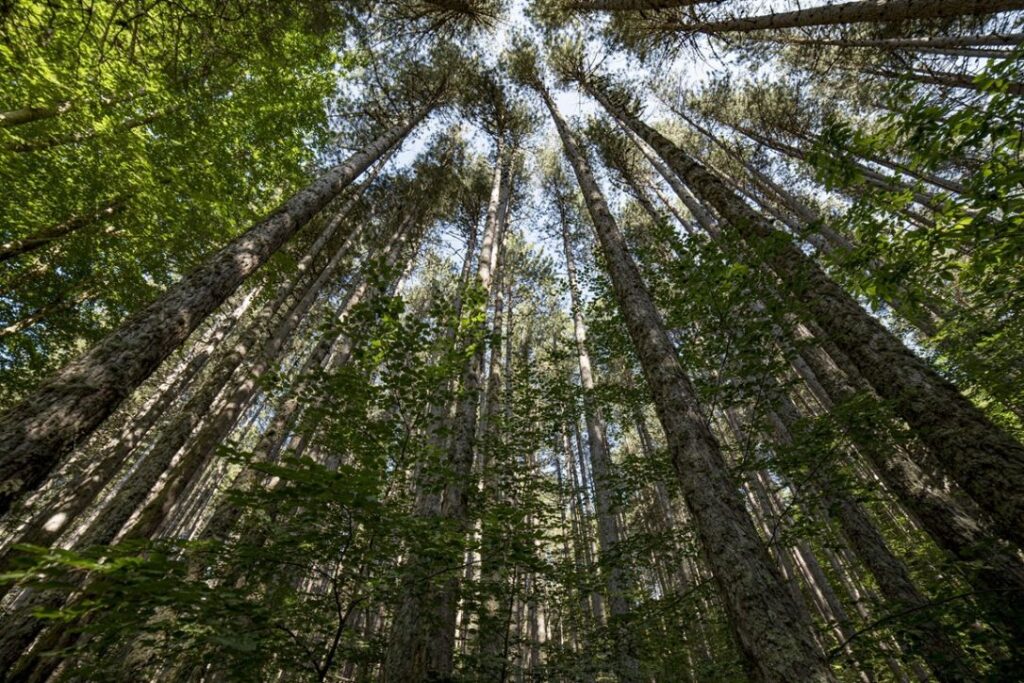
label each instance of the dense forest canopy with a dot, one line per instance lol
(511, 340)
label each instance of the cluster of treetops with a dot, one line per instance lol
(333, 348)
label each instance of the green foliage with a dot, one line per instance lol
(963, 266)
(190, 124)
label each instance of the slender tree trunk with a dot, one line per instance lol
(50, 518)
(182, 428)
(64, 300)
(203, 443)
(832, 239)
(422, 639)
(666, 202)
(774, 634)
(627, 5)
(860, 11)
(103, 528)
(26, 245)
(930, 42)
(19, 117)
(492, 556)
(947, 80)
(52, 141)
(38, 432)
(274, 436)
(990, 565)
(986, 461)
(870, 176)
(23, 624)
(268, 448)
(591, 605)
(925, 635)
(703, 217)
(626, 665)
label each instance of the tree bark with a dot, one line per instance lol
(773, 633)
(48, 519)
(703, 217)
(26, 245)
(931, 42)
(926, 635)
(202, 444)
(46, 425)
(861, 11)
(19, 117)
(947, 80)
(626, 665)
(986, 461)
(422, 640)
(990, 565)
(629, 5)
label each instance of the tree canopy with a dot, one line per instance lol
(547, 340)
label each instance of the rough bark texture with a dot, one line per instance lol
(67, 407)
(992, 567)
(931, 42)
(627, 666)
(30, 243)
(862, 11)
(156, 464)
(986, 461)
(422, 641)
(48, 519)
(231, 406)
(703, 217)
(268, 448)
(20, 628)
(628, 5)
(926, 636)
(774, 635)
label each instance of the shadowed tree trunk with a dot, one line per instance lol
(862, 11)
(773, 633)
(926, 636)
(422, 635)
(38, 432)
(616, 581)
(986, 461)
(26, 245)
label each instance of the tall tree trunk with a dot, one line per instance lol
(21, 626)
(986, 461)
(102, 532)
(703, 217)
(626, 665)
(773, 633)
(51, 141)
(231, 406)
(860, 11)
(929, 42)
(992, 567)
(627, 5)
(925, 635)
(196, 413)
(493, 558)
(46, 425)
(948, 80)
(896, 45)
(870, 176)
(49, 518)
(422, 636)
(30, 243)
